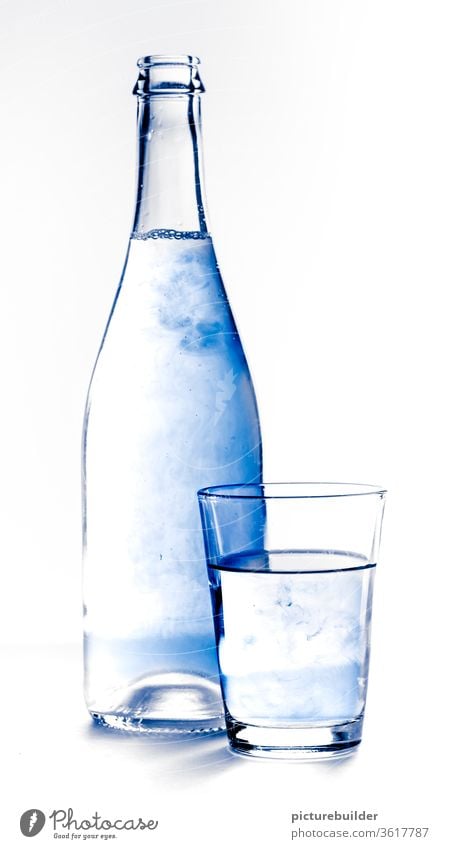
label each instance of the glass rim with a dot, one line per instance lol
(283, 490)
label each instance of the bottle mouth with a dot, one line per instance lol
(161, 74)
(167, 59)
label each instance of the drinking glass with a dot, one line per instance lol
(291, 570)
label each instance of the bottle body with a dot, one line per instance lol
(171, 409)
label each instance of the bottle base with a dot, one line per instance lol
(157, 726)
(174, 703)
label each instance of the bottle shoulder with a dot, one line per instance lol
(171, 337)
(172, 295)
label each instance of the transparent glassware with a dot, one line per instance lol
(291, 573)
(170, 408)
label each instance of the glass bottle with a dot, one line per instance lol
(171, 408)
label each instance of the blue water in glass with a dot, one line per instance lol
(171, 409)
(293, 633)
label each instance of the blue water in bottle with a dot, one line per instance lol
(171, 409)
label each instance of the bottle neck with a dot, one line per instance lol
(169, 165)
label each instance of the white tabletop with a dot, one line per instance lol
(199, 792)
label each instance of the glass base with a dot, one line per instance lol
(177, 703)
(305, 743)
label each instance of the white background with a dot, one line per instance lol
(326, 138)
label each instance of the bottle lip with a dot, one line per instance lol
(167, 59)
(168, 75)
